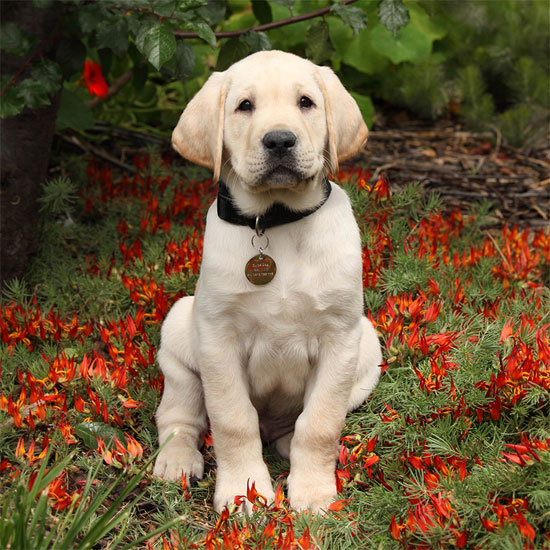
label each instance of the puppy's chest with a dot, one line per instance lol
(281, 343)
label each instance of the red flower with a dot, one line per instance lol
(94, 79)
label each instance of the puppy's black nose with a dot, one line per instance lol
(279, 142)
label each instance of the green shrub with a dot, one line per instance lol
(424, 55)
(477, 105)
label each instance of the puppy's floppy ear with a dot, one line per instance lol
(198, 135)
(347, 131)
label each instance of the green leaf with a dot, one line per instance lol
(33, 93)
(356, 51)
(289, 4)
(256, 41)
(157, 43)
(11, 104)
(231, 52)
(289, 37)
(365, 106)
(214, 12)
(425, 24)
(73, 112)
(204, 32)
(411, 44)
(164, 8)
(187, 10)
(48, 74)
(318, 47)
(14, 40)
(393, 15)
(184, 60)
(90, 432)
(262, 11)
(353, 17)
(89, 17)
(113, 34)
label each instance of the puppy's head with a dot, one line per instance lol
(272, 121)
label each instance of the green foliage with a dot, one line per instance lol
(488, 60)
(393, 14)
(422, 85)
(25, 522)
(352, 17)
(477, 105)
(156, 43)
(122, 35)
(32, 92)
(91, 432)
(16, 290)
(14, 40)
(73, 112)
(58, 196)
(318, 47)
(26, 519)
(523, 124)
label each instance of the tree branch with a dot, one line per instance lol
(267, 26)
(35, 53)
(87, 148)
(114, 89)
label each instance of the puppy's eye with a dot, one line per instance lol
(245, 105)
(305, 102)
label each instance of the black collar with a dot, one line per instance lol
(277, 214)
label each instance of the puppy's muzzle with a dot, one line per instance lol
(282, 164)
(279, 143)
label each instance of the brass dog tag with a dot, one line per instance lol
(260, 269)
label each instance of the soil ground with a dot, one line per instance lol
(464, 167)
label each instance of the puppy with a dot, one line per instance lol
(274, 344)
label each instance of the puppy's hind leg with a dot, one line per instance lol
(181, 411)
(283, 445)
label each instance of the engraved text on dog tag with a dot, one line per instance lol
(260, 269)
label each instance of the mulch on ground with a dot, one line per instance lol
(464, 167)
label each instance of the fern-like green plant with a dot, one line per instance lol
(477, 106)
(523, 125)
(59, 195)
(529, 83)
(423, 88)
(17, 291)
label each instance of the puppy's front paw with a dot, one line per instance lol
(229, 486)
(176, 460)
(311, 492)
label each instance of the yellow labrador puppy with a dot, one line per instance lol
(274, 345)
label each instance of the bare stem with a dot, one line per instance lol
(267, 26)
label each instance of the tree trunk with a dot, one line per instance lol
(25, 143)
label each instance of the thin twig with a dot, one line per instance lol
(114, 89)
(129, 134)
(266, 26)
(37, 51)
(87, 148)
